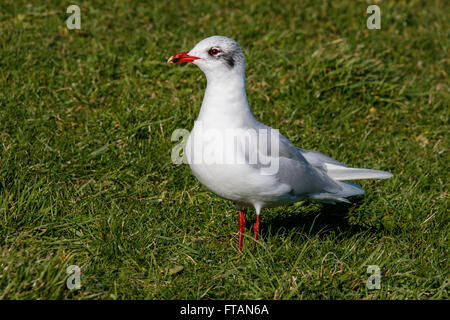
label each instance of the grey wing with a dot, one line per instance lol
(288, 150)
(294, 167)
(318, 159)
(304, 172)
(307, 174)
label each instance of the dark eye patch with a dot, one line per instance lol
(226, 56)
(229, 59)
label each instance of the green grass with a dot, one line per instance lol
(86, 179)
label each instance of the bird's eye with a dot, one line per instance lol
(213, 51)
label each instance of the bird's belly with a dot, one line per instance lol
(239, 182)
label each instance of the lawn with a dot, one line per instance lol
(86, 177)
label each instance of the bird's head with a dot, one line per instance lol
(216, 55)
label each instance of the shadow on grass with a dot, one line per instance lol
(312, 219)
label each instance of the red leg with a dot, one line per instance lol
(241, 229)
(256, 231)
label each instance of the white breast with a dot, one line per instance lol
(222, 168)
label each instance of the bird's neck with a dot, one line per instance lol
(225, 101)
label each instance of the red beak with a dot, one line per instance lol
(181, 57)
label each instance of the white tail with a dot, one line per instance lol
(345, 173)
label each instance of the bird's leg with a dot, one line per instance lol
(255, 232)
(241, 229)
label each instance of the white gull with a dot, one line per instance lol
(260, 168)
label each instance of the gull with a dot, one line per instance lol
(240, 159)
